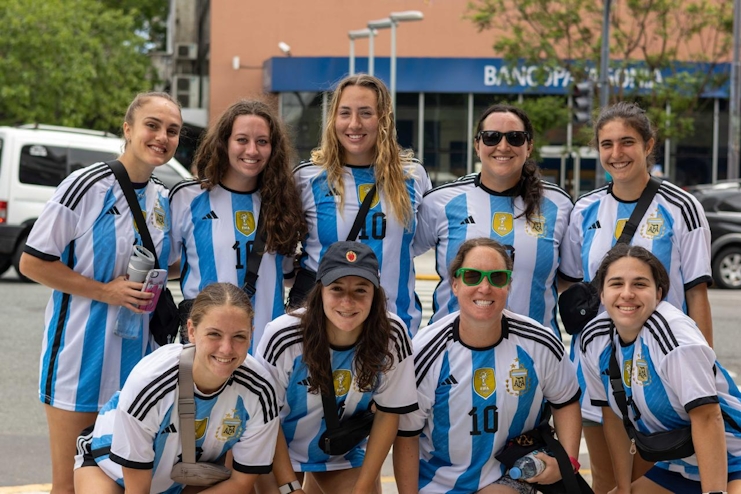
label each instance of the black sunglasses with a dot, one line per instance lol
(492, 137)
(473, 277)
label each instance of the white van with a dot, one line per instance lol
(34, 159)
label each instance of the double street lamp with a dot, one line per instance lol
(353, 35)
(384, 23)
(396, 18)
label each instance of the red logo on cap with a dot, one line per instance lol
(351, 256)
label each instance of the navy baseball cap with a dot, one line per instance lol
(348, 259)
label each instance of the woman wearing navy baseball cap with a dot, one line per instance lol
(344, 373)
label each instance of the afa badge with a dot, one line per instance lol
(342, 380)
(535, 226)
(245, 222)
(627, 370)
(519, 382)
(201, 426)
(643, 374)
(501, 224)
(654, 227)
(231, 426)
(160, 219)
(363, 190)
(619, 226)
(484, 382)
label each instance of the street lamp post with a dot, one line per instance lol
(353, 35)
(396, 18)
(384, 23)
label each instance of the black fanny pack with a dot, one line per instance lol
(350, 433)
(658, 446)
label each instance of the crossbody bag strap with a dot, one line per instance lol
(254, 259)
(568, 476)
(125, 182)
(360, 218)
(187, 405)
(618, 390)
(648, 194)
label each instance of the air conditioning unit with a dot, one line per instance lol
(186, 51)
(186, 89)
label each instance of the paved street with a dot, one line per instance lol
(24, 455)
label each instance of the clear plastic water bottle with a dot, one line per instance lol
(528, 466)
(129, 324)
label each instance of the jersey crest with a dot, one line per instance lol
(643, 376)
(619, 228)
(160, 220)
(627, 371)
(535, 227)
(363, 190)
(342, 380)
(245, 222)
(201, 426)
(519, 382)
(484, 382)
(231, 426)
(502, 223)
(654, 227)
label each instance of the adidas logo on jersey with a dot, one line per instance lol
(211, 216)
(468, 221)
(304, 382)
(170, 428)
(595, 226)
(449, 381)
(113, 210)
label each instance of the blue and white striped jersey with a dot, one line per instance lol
(139, 427)
(302, 415)
(667, 371)
(213, 233)
(87, 225)
(473, 400)
(674, 229)
(455, 212)
(390, 240)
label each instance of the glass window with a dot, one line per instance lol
(446, 139)
(407, 120)
(43, 165)
(302, 113)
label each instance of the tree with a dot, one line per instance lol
(71, 62)
(150, 18)
(648, 37)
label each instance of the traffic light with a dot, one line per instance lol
(583, 96)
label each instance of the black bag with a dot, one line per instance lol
(349, 434)
(659, 446)
(165, 320)
(579, 303)
(542, 438)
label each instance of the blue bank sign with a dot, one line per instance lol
(459, 75)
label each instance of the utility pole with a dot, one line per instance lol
(734, 106)
(604, 81)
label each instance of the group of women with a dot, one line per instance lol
(266, 383)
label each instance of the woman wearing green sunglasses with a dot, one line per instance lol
(483, 373)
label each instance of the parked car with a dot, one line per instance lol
(34, 159)
(722, 203)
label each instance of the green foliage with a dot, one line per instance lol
(150, 18)
(548, 112)
(567, 33)
(69, 62)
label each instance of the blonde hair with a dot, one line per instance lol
(388, 160)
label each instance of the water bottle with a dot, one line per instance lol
(129, 324)
(528, 466)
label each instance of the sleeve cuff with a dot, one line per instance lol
(400, 411)
(37, 253)
(569, 402)
(408, 433)
(706, 400)
(252, 469)
(600, 403)
(131, 464)
(568, 278)
(699, 281)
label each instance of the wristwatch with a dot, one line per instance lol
(291, 486)
(716, 492)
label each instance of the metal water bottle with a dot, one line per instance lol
(129, 324)
(527, 467)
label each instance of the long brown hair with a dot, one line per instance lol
(280, 210)
(634, 117)
(389, 157)
(531, 188)
(372, 353)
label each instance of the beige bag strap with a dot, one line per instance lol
(187, 405)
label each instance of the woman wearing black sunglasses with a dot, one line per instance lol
(508, 202)
(482, 375)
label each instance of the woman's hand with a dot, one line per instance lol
(550, 475)
(125, 293)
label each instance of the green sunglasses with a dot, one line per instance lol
(473, 277)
